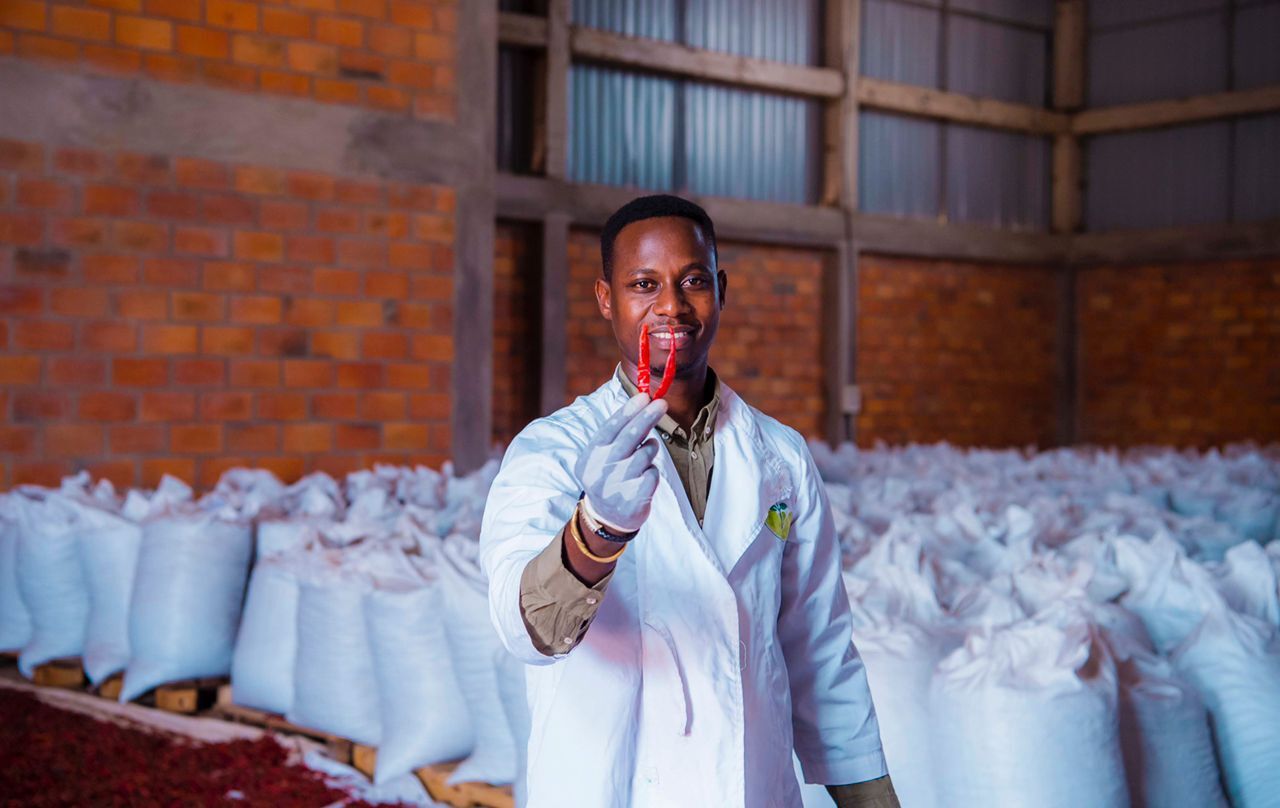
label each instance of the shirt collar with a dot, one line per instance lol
(705, 421)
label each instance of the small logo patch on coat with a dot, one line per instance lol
(779, 520)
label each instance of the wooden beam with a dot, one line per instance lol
(1067, 200)
(555, 125)
(553, 390)
(840, 294)
(923, 238)
(525, 30)
(840, 131)
(1068, 55)
(656, 56)
(929, 103)
(1177, 244)
(1155, 114)
(471, 415)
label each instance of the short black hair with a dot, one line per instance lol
(652, 207)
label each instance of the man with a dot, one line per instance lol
(670, 572)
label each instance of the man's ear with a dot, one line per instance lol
(604, 298)
(722, 281)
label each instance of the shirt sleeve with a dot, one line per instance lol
(876, 793)
(557, 607)
(837, 737)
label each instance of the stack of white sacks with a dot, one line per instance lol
(1074, 627)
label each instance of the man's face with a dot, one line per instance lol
(663, 274)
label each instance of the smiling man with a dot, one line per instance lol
(669, 568)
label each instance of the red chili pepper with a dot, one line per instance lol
(642, 372)
(669, 370)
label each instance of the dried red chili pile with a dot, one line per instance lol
(51, 757)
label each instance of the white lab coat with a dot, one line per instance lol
(715, 648)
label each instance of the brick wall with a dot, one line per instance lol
(769, 347)
(386, 54)
(516, 329)
(1187, 355)
(179, 315)
(956, 351)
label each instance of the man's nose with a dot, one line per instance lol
(671, 301)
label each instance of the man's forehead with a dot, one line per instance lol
(660, 236)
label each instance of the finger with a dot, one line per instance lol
(637, 429)
(614, 423)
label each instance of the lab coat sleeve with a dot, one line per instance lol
(837, 737)
(530, 500)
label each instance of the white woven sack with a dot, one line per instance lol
(109, 558)
(15, 620)
(1233, 661)
(50, 580)
(1248, 582)
(1026, 715)
(474, 644)
(187, 595)
(515, 703)
(424, 714)
(334, 687)
(262, 665)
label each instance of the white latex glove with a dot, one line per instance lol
(616, 468)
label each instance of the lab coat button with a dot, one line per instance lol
(592, 600)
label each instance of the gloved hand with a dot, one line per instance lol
(616, 468)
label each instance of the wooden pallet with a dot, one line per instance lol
(435, 779)
(65, 673)
(111, 688)
(336, 747)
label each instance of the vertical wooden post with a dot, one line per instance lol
(555, 111)
(471, 416)
(555, 312)
(1069, 36)
(840, 187)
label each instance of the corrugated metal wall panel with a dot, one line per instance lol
(654, 19)
(997, 178)
(1028, 12)
(1158, 178)
(751, 145)
(1121, 12)
(1257, 46)
(899, 165)
(778, 30)
(1257, 169)
(997, 61)
(1170, 59)
(900, 42)
(622, 128)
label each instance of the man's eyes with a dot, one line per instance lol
(695, 281)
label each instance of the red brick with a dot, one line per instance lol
(21, 229)
(44, 335)
(339, 31)
(173, 205)
(17, 439)
(277, 214)
(140, 236)
(114, 269)
(309, 312)
(282, 342)
(286, 280)
(412, 14)
(257, 51)
(154, 469)
(310, 185)
(73, 440)
(405, 435)
(43, 194)
(386, 224)
(144, 169)
(199, 307)
(229, 209)
(23, 14)
(337, 465)
(137, 438)
(170, 271)
(144, 33)
(109, 336)
(22, 157)
(132, 372)
(40, 472)
(374, 9)
(429, 406)
(360, 313)
(357, 437)
(331, 91)
(104, 405)
(383, 406)
(259, 246)
(33, 46)
(177, 9)
(206, 241)
(412, 74)
(360, 375)
(432, 287)
(260, 181)
(333, 406)
(113, 60)
(384, 345)
(387, 284)
(240, 16)
(228, 276)
(307, 57)
(390, 40)
(338, 282)
(432, 347)
(79, 232)
(256, 309)
(387, 98)
(336, 344)
(307, 437)
(433, 228)
(226, 341)
(204, 174)
(403, 255)
(167, 406)
(142, 304)
(308, 373)
(287, 469)
(19, 370)
(169, 339)
(310, 249)
(226, 406)
(229, 75)
(255, 373)
(110, 200)
(120, 472)
(408, 377)
(46, 265)
(355, 192)
(361, 65)
(282, 406)
(38, 406)
(195, 438)
(171, 68)
(338, 220)
(283, 22)
(253, 438)
(200, 372)
(75, 370)
(433, 48)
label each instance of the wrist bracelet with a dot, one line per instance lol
(597, 525)
(582, 545)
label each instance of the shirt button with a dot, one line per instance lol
(592, 600)
(568, 641)
(665, 436)
(695, 455)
